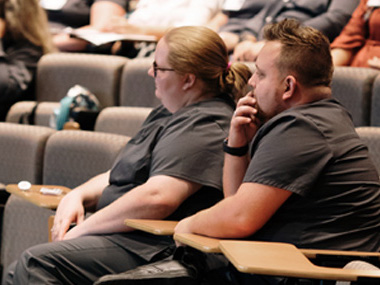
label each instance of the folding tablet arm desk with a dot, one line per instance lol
(267, 258)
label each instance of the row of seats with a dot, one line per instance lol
(115, 80)
(70, 158)
(42, 155)
(118, 81)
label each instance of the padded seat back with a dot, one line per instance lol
(121, 120)
(375, 108)
(137, 87)
(22, 151)
(58, 72)
(20, 111)
(72, 157)
(371, 136)
(352, 86)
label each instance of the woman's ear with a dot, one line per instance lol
(290, 87)
(189, 81)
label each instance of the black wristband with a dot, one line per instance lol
(235, 151)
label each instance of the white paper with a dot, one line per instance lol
(52, 4)
(373, 3)
(233, 5)
(98, 38)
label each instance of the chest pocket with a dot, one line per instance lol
(134, 162)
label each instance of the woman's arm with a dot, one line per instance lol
(341, 57)
(72, 207)
(160, 196)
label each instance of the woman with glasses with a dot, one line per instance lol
(169, 170)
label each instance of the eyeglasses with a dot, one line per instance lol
(155, 68)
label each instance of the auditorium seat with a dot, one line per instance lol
(71, 158)
(58, 72)
(352, 86)
(375, 107)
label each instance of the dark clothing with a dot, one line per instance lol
(186, 145)
(361, 35)
(18, 64)
(173, 145)
(75, 13)
(327, 16)
(314, 152)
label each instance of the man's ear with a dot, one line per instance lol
(290, 87)
(189, 81)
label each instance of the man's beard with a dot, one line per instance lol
(260, 115)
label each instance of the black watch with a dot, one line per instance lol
(235, 151)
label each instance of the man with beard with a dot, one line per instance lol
(295, 170)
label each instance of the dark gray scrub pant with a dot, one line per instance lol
(78, 261)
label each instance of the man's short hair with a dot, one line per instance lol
(305, 52)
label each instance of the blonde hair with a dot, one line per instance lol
(200, 51)
(26, 20)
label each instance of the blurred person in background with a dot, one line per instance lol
(244, 37)
(82, 14)
(359, 42)
(156, 17)
(24, 39)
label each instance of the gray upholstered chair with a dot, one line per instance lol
(58, 72)
(375, 107)
(121, 120)
(21, 152)
(71, 157)
(21, 156)
(371, 136)
(21, 111)
(137, 87)
(352, 86)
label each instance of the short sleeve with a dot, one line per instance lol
(289, 154)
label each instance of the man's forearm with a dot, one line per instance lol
(233, 173)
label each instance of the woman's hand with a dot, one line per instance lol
(70, 210)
